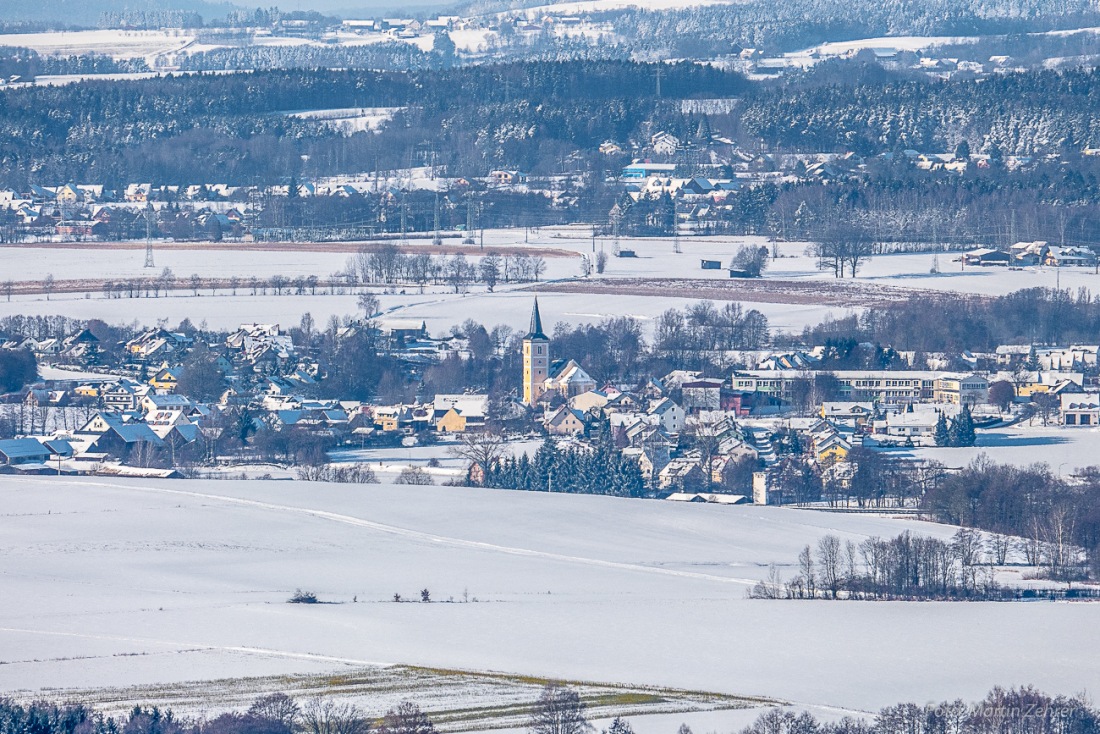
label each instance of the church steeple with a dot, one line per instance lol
(536, 359)
(536, 323)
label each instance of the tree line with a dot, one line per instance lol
(600, 469)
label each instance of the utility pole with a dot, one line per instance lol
(404, 221)
(658, 80)
(437, 238)
(469, 239)
(149, 236)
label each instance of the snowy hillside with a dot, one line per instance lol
(125, 582)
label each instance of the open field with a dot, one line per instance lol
(121, 583)
(793, 294)
(459, 701)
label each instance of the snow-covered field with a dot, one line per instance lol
(595, 6)
(1064, 449)
(656, 259)
(120, 582)
(350, 120)
(117, 43)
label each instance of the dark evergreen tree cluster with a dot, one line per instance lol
(17, 368)
(956, 432)
(575, 469)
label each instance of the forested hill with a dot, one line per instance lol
(525, 115)
(1026, 114)
(170, 129)
(788, 25)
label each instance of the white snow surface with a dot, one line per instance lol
(510, 304)
(120, 582)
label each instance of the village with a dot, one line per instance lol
(251, 407)
(698, 176)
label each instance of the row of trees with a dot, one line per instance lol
(558, 710)
(389, 265)
(1015, 710)
(904, 567)
(953, 323)
(1028, 515)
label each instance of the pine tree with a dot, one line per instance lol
(964, 428)
(942, 434)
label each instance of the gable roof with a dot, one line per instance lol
(23, 448)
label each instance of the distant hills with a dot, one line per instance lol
(89, 13)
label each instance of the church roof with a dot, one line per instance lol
(536, 324)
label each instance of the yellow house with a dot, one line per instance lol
(69, 194)
(451, 422)
(386, 421)
(832, 450)
(166, 379)
(86, 391)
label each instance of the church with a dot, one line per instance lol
(541, 375)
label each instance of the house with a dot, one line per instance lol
(589, 401)
(831, 449)
(507, 178)
(848, 413)
(402, 331)
(1029, 253)
(69, 194)
(153, 403)
(961, 389)
(167, 378)
(713, 499)
(1081, 409)
(986, 256)
(138, 192)
(668, 415)
(565, 421)
(124, 395)
(702, 394)
(681, 475)
(919, 423)
(458, 413)
(664, 143)
(1063, 257)
(651, 460)
(22, 451)
(111, 434)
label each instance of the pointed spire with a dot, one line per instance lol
(536, 323)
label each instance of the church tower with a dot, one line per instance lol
(536, 359)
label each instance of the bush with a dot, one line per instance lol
(352, 474)
(302, 597)
(414, 475)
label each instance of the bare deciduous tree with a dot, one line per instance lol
(482, 449)
(329, 717)
(559, 710)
